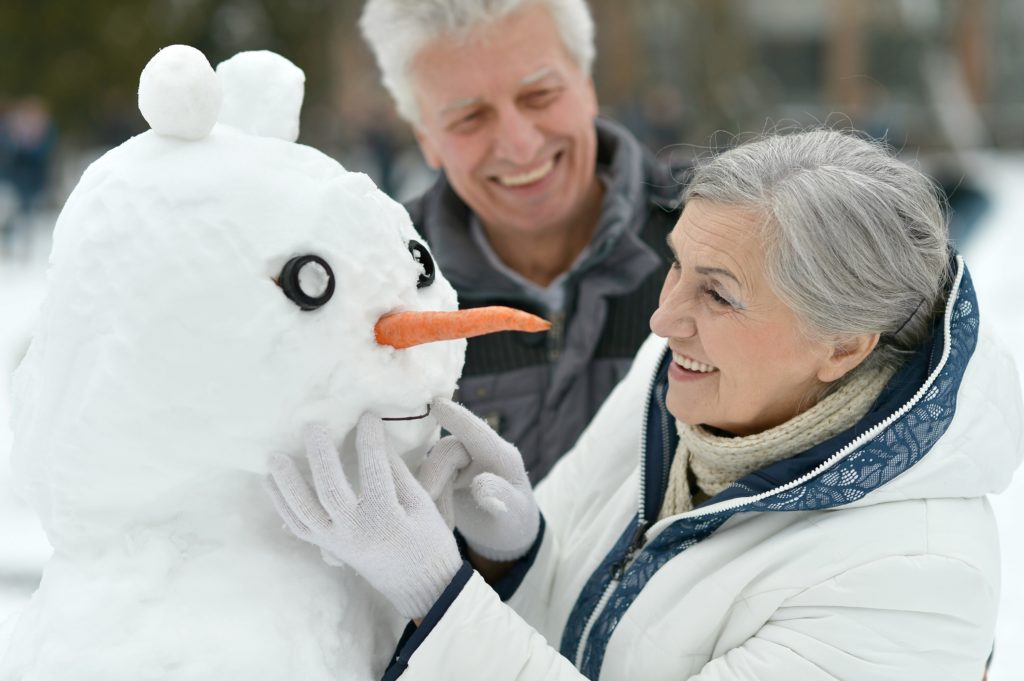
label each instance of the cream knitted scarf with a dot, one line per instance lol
(715, 462)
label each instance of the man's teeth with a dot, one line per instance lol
(527, 178)
(692, 364)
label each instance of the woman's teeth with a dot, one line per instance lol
(692, 364)
(527, 178)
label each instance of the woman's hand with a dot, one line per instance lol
(390, 532)
(479, 480)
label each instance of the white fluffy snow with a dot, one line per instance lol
(994, 257)
(179, 93)
(262, 94)
(23, 546)
(167, 364)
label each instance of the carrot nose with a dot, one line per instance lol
(406, 329)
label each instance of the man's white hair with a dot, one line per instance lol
(397, 30)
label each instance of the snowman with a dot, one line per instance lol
(213, 288)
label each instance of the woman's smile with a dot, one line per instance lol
(685, 368)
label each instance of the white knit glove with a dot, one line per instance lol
(479, 480)
(390, 532)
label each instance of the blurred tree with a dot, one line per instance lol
(84, 58)
(718, 64)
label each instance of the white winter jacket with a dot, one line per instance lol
(871, 556)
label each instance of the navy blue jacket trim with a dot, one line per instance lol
(662, 441)
(592, 591)
(460, 542)
(413, 636)
(510, 581)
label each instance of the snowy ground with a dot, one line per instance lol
(993, 255)
(994, 259)
(23, 546)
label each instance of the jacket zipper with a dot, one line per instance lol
(556, 335)
(665, 440)
(636, 543)
(598, 609)
(643, 435)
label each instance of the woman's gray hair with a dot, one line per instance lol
(856, 240)
(397, 30)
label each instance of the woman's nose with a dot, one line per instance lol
(674, 318)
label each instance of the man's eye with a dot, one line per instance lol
(541, 97)
(468, 121)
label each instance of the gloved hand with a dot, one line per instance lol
(479, 480)
(390, 532)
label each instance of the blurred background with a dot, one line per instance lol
(940, 80)
(935, 76)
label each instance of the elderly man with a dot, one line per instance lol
(540, 205)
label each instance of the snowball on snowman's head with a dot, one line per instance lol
(213, 287)
(260, 92)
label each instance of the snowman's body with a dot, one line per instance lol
(168, 364)
(194, 599)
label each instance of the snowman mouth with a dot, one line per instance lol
(407, 418)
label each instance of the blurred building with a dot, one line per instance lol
(930, 75)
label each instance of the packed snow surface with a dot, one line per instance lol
(262, 94)
(179, 94)
(168, 363)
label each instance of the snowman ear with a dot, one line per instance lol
(179, 94)
(262, 94)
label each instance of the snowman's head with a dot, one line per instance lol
(213, 287)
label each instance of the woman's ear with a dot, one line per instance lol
(847, 356)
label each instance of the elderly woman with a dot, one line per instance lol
(790, 483)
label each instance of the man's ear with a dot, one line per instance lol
(427, 147)
(847, 356)
(592, 105)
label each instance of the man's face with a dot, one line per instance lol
(509, 116)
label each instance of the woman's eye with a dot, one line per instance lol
(421, 255)
(718, 299)
(308, 281)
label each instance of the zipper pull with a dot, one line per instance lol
(635, 544)
(556, 336)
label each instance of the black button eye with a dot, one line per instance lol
(308, 281)
(422, 256)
